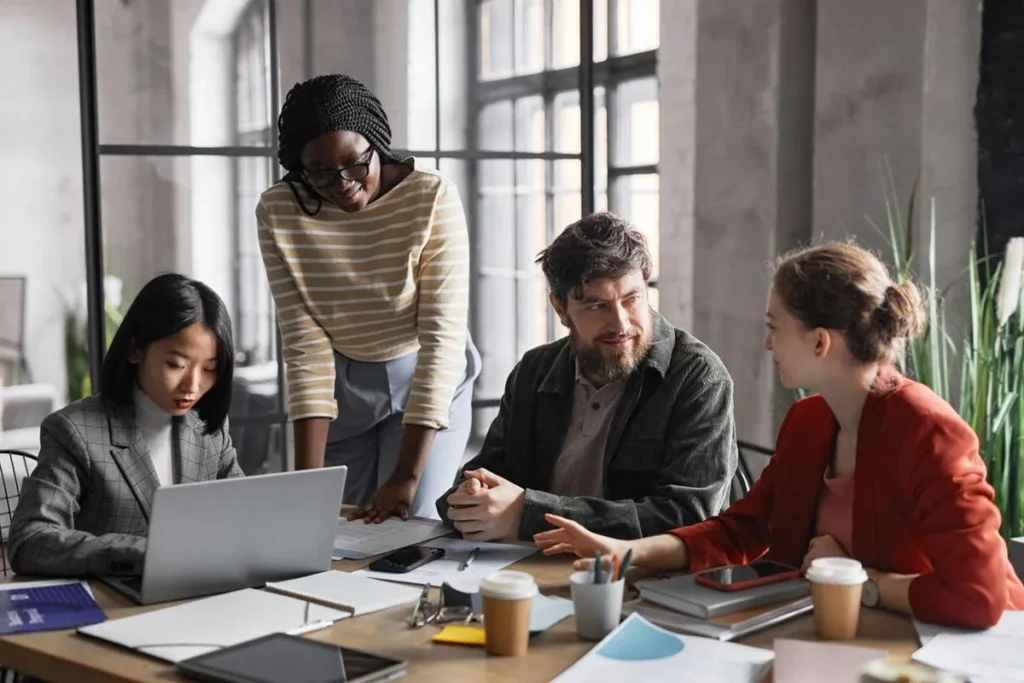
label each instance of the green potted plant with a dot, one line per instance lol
(76, 349)
(988, 358)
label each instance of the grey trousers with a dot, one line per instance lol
(368, 430)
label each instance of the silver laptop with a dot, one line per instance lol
(218, 536)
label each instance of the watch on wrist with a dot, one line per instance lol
(869, 595)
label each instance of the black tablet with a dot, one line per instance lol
(281, 658)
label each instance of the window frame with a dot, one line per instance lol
(585, 78)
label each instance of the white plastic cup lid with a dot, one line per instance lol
(508, 585)
(837, 571)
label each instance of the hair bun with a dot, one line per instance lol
(901, 314)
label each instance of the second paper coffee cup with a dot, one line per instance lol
(836, 585)
(508, 599)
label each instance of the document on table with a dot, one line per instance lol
(799, 661)
(490, 557)
(357, 540)
(926, 631)
(640, 651)
(994, 654)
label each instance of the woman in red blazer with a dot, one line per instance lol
(874, 466)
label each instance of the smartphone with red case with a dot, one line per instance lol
(740, 577)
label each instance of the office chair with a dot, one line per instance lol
(14, 465)
(12, 330)
(744, 479)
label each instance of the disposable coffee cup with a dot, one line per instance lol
(508, 598)
(836, 585)
(598, 606)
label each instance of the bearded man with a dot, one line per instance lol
(625, 426)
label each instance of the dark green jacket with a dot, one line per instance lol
(671, 451)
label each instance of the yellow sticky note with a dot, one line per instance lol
(455, 634)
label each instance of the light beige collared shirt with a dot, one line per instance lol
(579, 470)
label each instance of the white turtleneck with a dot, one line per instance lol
(157, 430)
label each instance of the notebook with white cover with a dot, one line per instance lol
(683, 594)
(355, 594)
(682, 623)
(201, 626)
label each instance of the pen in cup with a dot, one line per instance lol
(469, 559)
(625, 563)
(597, 567)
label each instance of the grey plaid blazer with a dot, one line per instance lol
(85, 509)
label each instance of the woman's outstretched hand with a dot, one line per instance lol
(570, 537)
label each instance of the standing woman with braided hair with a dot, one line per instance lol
(368, 260)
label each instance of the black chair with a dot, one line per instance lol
(14, 465)
(744, 479)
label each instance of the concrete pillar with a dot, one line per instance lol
(735, 164)
(950, 148)
(896, 87)
(868, 112)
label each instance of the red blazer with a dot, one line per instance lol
(921, 505)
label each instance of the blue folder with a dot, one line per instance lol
(47, 608)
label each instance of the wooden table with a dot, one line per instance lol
(58, 656)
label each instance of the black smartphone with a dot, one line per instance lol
(406, 559)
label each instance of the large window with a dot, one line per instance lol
(486, 91)
(529, 123)
(255, 327)
(184, 148)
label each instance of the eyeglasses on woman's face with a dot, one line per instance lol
(353, 173)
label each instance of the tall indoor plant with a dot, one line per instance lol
(987, 356)
(76, 350)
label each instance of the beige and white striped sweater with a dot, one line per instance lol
(373, 285)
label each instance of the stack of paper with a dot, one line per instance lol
(489, 558)
(683, 594)
(993, 655)
(682, 623)
(640, 651)
(357, 540)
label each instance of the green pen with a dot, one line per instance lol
(597, 567)
(625, 563)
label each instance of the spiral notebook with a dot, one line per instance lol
(342, 591)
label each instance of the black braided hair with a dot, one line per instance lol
(326, 104)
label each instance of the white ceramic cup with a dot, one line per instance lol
(598, 605)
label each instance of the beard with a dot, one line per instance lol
(607, 364)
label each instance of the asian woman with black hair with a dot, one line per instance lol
(160, 419)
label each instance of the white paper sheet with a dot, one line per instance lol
(490, 558)
(194, 628)
(997, 653)
(926, 631)
(640, 651)
(357, 540)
